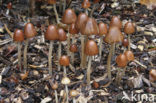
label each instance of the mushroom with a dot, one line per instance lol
(86, 5)
(18, 37)
(9, 7)
(73, 94)
(66, 82)
(129, 28)
(114, 35)
(51, 34)
(68, 18)
(29, 32)
(121, 61)
(115, 21)
(53, 2)
(125, 42)
(91, 49)
(64, 61)
(62, 37)
(73, 30)
(73, 49)
(95, 2)
(152, 75)
(102, 31)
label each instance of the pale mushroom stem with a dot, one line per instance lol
(66, 86)
(88, 70)
(109, 62)
(59, 55)
(100, 48)
(68, 43)
(56, 97)
(74, 101)
(86, 11)
(64, 70)
(25, 54)
(129, 41)
(72, 58)
(56, 14)
(49, 57)
(19, 55)
(113, 52)
(82, 50)
(64, 6)
(91, 13)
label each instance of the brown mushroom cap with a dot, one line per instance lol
(85, 4)
(55, 85)
(90, 27)
(69, 17)
(125, 42)
(152, 75)
(129, 55)
(121, 60)
(114, 35)
(64, 60)
(73, 29)
(91, 48)
(29, 30)
(18, 35)
(62, 35)
(82, 18)
(9, 6)
(73, 93)
(51, 33)
(129, 28)
(96, 1)
(102, 29)
(73, 48)
(51, 1)
(115, 21)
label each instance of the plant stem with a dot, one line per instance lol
(109, 62)
(19, 55)
(86, 11)
(88, 70)
(66, 86)
(49, 57)
(59, 55)
(64, 71)
(56, 97)
(68, 43)
(25, 54)
(74, 101)
(82, 50)
(64, 6)
(91, 13)
(129, 41)
(56, 14)
(100, 48)
(72, 58)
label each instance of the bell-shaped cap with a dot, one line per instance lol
(82, 18)
(29, 30)
(102, 29)
(125, 42)
(73, 29)
(115, 21)
(9, 6)
(91, 48)
(96, 1)
(62, 35)
(85, 4)
(129, 28)
(65, 81)
(73, 93)
(73, 48)
(55, 85)
(51, 1)
(152, 75)
(18, 35)
(114, 35)
(64, 60)
(51, 33)
(90, 27)
(121, 60)
(69, 17)
(129, 55)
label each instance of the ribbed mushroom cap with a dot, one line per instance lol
(64, 60)
(51, 33)
(125, 42)
(29, 30)
(73, 29)
(65, 81)
(91, 48)
(121, 60)
(9, 6)
(115, 21)
(69, 17)
(114, 35)
(54, 85)
(85, 4)
(73, 48)
(90, 27)
(129, 55)
(73, 93)
(102, 29)
(62, 34)
(82, 18)
(96, 1)
(18, 35)
(51, 1)
(129, 28)
(152, 75)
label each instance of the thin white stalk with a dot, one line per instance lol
(59, 55)
(72, 57)
(88, 70)
(50, 57)
(64, 71)
(64, 6)
(25, 54)
(19, 55)
(82, 49)
(66, 86)
(68, 43)
(129, 42)
(74, 101)
(56, 14)
(144, 66)
(100, 48)
(56, 97)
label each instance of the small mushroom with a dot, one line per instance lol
(73, 49)
(73, 94)
(152, 75)
(115, 21)
(73, 30)
(66, 81)
(9, 7)
(18, 37)
(86, 5)
(125, 42)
